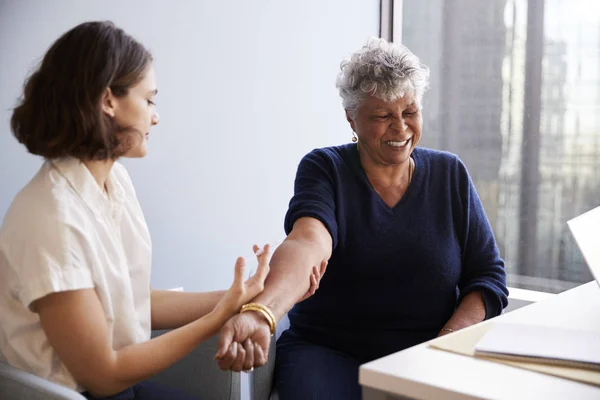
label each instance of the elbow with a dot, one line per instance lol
(313, 234)
(101, 387)
(100, 390)
(101, 381)
(315, 246)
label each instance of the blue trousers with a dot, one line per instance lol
(306, 371)
(145, 391)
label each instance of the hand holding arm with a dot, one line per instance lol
(308, 244)
(76, 327)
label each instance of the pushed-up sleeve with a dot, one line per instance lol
(314, 193)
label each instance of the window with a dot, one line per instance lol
(515, 92)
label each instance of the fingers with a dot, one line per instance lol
(314, 282)
(253, 353)
(238, 364)
(263, 262)
(315, 279)
(261, 252)
(318, 274)
(256, 283)
(249, 360)
(323, 268)
(229, 357)
(240, 270)
(260, 358)
(225, 339)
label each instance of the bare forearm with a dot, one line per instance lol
(137, 362)
(171, 309)
(291, 267)
(470, 311)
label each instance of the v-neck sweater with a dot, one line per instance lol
(396, 274)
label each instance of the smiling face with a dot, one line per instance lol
(135, 111)
(387, 131)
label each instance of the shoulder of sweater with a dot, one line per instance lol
(333, 154)
(437, 156)
(439, 160)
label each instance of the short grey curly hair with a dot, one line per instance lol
(384, 70)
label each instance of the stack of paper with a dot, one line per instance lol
(464, 342)
(545, 345)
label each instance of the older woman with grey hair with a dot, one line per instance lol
(411, 253)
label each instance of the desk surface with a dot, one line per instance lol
(425, 373)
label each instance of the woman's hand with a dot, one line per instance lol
(315, 278)
(470, 311)
(241, 292)
(245, 338)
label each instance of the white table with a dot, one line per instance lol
(422, 372)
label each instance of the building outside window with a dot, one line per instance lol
(515, 92)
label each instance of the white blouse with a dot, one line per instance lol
(62, 232)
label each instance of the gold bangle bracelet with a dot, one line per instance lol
(260, 306)
(265, 314)
(264, 311)
(255, 307)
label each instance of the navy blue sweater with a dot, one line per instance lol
(396, 275)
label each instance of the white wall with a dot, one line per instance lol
(246, 89)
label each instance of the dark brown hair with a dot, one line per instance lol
(60, 112)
